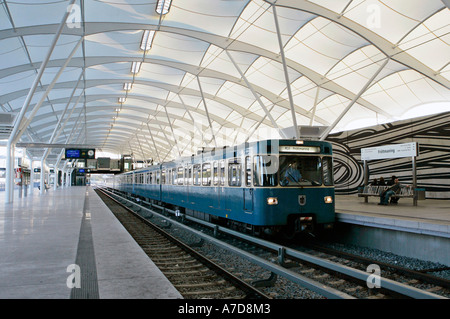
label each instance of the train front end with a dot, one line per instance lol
(300, 195)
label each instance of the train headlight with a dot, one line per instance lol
(272, 201)
(328, 199)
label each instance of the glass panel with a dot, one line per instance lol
(248, 171)
(206, 174)
(327, 171)
(222, 173)
(180, 175)
(197, 174)
(300, 171)
(265, 170)
(215, 173)
(234, 173)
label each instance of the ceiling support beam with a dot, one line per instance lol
(190, 115)
(257, 97)
(206, 109)
(257, 126)
(140, 146)
(154, 144)
(338, 119)
(173, 133)
(22, 126)
(58, 128)
(388, 48)
(9, 187)
(286, 74)
(316, 99)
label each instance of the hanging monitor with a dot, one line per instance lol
(80, 153)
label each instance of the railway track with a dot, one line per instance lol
(413, 278)
(288, 270)
(192, 274)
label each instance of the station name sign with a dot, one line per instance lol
(80, 153)
(390, 151)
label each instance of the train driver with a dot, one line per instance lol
(293, 174)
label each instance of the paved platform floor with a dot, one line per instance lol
(43, 236)
(430, 216)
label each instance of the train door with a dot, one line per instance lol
(216, 184)
(248, 189)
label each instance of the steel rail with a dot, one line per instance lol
(303, 281)
(285, 251)
(249, 290)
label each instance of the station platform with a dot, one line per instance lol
(43, 237)
(421, 231)
(429, 217)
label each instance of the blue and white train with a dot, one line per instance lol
(269, 186)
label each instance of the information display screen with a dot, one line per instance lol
(73, 153)
(80, 153)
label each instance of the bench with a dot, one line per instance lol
(405, 191)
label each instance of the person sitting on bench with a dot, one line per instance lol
(384, 196)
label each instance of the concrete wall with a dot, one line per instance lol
(424, 247)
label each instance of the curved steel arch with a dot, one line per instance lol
(219, 41)
(91, 28)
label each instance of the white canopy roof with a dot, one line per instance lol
(213, 72)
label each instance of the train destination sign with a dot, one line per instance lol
(299, 149)
(390, 151)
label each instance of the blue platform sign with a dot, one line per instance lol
(73, 153)
(80, 153)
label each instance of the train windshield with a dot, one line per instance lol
(300, 170)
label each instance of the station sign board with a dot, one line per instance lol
(390, 151)
(80, 153)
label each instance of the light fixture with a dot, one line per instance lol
(163, 6)
(272, 201)
(122, 99)
(135, 67)
(127, 86)
(147, 40)
(328, 199)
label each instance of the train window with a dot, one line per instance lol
(234, 173)
(187, 175)
(196, 177)
(163, 176)
(206, 174)
(174, 176)
(180, 176)
(327, 164)
(158, 177)
(150, 178)
(248, 171)
(215, 173)
(300, 170)
(222, 173)
(141, 178)
(265, 170)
